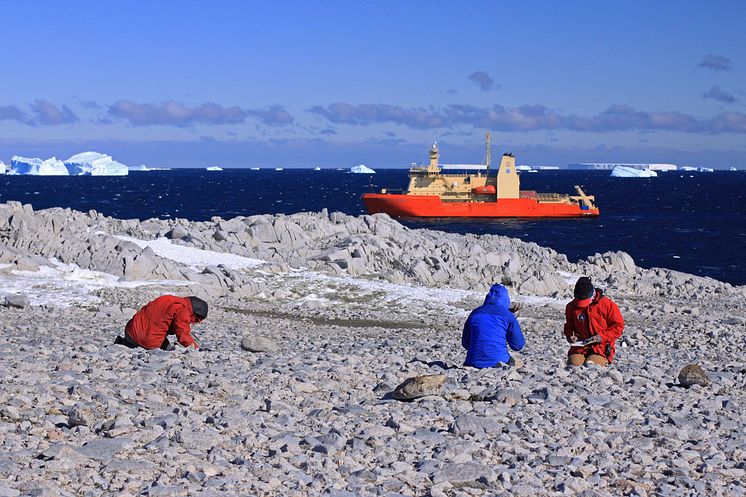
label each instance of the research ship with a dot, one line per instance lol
(433, 194)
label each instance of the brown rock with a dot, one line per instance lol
(693, 374)
(420, 386)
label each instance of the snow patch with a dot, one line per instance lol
(64, 285)
(195, 258)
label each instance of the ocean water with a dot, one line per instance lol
(691, 222)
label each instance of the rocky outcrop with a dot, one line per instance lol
(371, 246)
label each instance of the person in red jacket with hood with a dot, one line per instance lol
(594, 317)
(167, 315)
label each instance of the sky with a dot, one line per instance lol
(341, 83)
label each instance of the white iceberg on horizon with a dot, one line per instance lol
(362, 169)
(317, 168)
(37, 167)
(214, 168)
(631, 172)
(143, 167)
(95, 164)
(2, 167)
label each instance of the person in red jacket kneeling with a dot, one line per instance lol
(592, 318)
(167, 315)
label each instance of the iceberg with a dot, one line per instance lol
(143, 167)
(95, 164)
(317, 168)
(631, 172)
(2, 167)
(362, 169)
(214, 168)
(37, 167)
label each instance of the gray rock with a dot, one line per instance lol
(104, 449)
(693, 374)
(259, 344)
(17, 300)
(80, 416)
(177, 233)
(462, 473)
(420, 386)
(468, 423)
(6, 491)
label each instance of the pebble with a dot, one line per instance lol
(79, 416)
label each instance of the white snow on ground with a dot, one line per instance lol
(324, 287)
(64, 284)
(193, 257)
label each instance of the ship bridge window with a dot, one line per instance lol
(507, 171)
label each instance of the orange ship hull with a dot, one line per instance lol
(397, 205)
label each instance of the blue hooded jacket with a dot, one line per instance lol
(490, 329)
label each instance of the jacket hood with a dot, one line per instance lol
(597, 295)
(199, 307)
(498, 295)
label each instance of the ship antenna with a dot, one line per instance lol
(488, 154)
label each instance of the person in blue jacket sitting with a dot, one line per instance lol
(490, 329)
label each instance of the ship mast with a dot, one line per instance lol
(488, 154)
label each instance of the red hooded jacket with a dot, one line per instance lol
(599, 317)
(166, 315)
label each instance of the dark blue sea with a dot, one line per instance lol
(691, 222)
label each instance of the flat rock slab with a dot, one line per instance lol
(420, 386)
(104, 449)
(17, 300)
(469, 472)
(469, 423)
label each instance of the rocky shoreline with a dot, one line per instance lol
(315, 319)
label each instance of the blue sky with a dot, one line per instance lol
(242, 84)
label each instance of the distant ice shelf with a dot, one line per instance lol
(362, 169)
(143, 167)
(631, 172)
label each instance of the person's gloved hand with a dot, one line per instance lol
(572, 339)
(594, 339)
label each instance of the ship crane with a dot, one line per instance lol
(583, 198)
